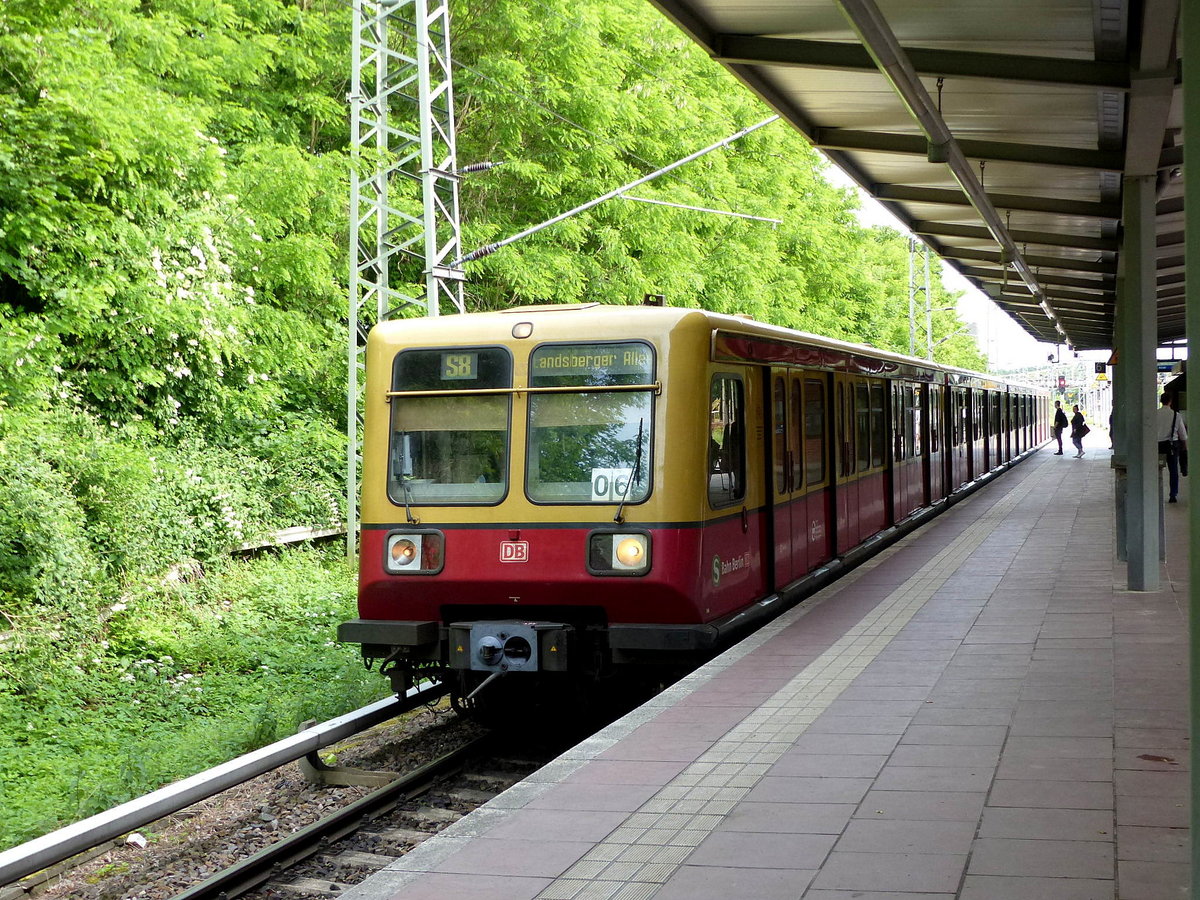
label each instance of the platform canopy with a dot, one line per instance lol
(999, 131)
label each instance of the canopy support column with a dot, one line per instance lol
(1190, 31)
(1137, 366)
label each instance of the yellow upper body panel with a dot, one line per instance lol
(681, 340)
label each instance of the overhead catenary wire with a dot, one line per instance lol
(488, 249)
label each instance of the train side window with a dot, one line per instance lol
(814, 431)
(727, 441)
(779, 424)
(898, 424)
(844, 423)
(862, 426)
(935, 417)
(796, 442)
(878, 419)
(912, 424)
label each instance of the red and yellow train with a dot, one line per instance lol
(577, 489)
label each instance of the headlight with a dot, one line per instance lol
(629, 552)
(618, 554)
(413, 553)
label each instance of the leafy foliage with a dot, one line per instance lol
(173, 230)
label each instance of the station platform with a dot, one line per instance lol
(982, 711)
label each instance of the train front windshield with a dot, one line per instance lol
(589, 446)
(450, 436)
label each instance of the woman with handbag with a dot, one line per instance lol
(1078, 430)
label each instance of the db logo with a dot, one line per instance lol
(514, 551)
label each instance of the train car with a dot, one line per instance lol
(563, 492)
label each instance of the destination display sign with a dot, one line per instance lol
(592, 359)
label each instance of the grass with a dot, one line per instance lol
(101, 706)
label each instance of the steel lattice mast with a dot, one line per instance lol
(404, 220)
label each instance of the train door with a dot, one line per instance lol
(909, 476)
(935, 440)
(980, 403)
(818, 499)
(735, 542)
(845, 459)
(787, 482)
(960, 446)
(997, 429)
(874, 475)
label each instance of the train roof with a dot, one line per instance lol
(664, 318)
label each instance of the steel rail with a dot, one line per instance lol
(251, 872)
(37, 854)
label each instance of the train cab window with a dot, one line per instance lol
(592, 445)
(452, 448)
(726, 441)
(814, 431)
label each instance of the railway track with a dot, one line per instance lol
(270, 868)
(443, 767)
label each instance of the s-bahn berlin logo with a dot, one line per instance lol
(725, 566)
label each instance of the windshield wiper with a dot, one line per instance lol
(412, 520)
(637, 468)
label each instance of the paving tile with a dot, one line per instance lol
(1041, 859)
(439, 887)
(1148, 844)
(692, 882)
(895, 873)
(557, 825)
(935, 755)
(885, 692)
(810, 790)
(657, 749)
(934, 778)
(1052, 794)
(601, 771)
(1158, 812)
(1151, 737)
(1151, 784)
(1152, 880)
(853, 744)
(956, 735)
(848, 707)
(1033, 768)
(991, 887)
(935, 714)
(875, 895)
(530, 858)
(907, 836)
(1047, 824)
(571, 795)
(1152, 759)
(828, 765)
(762, 850)
(1061, 747)
(827, 724)
(953, 805)
(789, 818)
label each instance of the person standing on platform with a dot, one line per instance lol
(1078, 430)
(1172, 442)
(1060, 424)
